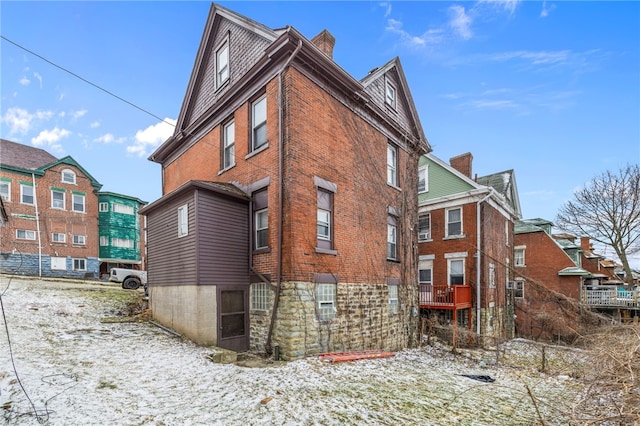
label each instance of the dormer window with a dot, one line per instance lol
(390, 95)
(69, 176)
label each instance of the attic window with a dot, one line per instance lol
(222, 64)
(390, 95)
(68, 176)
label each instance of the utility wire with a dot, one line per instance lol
(86, 81)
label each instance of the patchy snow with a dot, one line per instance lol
(78, 369)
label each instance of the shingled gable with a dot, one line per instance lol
(505, 184)
(204, 106)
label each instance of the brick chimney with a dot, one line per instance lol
(325, 42)
(585, 244)
(462, 163)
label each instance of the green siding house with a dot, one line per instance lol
(121, 232)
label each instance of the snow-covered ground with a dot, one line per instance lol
(77, 369)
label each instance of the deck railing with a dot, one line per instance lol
(444, 296)
(611, 298)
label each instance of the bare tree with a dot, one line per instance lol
(607, 210)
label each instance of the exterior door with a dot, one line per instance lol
(233, 318)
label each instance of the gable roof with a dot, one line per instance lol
(505, 184)
(22, 156)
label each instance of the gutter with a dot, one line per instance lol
(478, 260)
(274, 312)
(35, 205)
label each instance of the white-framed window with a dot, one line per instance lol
(259, 123)
(506, 232)
(456, 271)
(57, 199)
(228, 144)
(393, 298)
(423, 179)
(390, 95)
(222, 64)
(103, 207)
(183, 220)
(261, 219)
(25, 234)
(425, 273)
(68, 176)
(260, 296)
(122, 208)
(26, 194)
(424, 227)
(80, 239)
(5, 190)
(392, 238)
(392, 165)
(454, 222)
(79, 264)
(78, 203)
(122, 242)
(326, 298)
(325, 219)
(104, 241)
(519, 256)
(518, 288)
(58, 237)
(492, 275)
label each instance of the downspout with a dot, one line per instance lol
(478, 258)
(35, 204)
(280, 198)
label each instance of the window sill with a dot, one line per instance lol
(426, 241)
(262, 250)
(393, 260)
(227, 168)
(326, 251)
(455, 237)
(257, 151)
(394, 186)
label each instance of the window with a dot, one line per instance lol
(518, 256)
(79, 264)
(122, 208)
(390, 95)
(58, 237)
(23, 234)
(326, 297)
(424, 227)
(492, 275)
(5, 190)
(183, 220)
(260, 296)
(517, 287)
(506, 232)
(26, 194)
(78, 203)
(68, 176)
(261, 219)
(392, 165)
(456, 272)
(122, 242)
(228, 145)
(259, 123)
(392, 238)
(424, 275)
(325, 216)
(103, 207)
(80, 239)
(57, 199)
(423, 179)
(104, 241)
(454, 222)
(222, 64)
(393, 298)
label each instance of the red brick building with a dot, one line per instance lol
(322, 168)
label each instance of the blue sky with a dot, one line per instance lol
(549, 89)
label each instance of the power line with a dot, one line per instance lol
(86, 81)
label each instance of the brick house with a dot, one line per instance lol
(288, 198)
(52, 209)
(465, 236)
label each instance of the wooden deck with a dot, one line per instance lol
(445, 297)
(610, 298)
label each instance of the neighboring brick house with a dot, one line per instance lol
(465, 234)
(121, 229)
(52, 206)
(288, 199)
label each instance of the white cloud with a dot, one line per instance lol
(51, 139)
(20, 120)
(460, 22)
(387, 7)
(38, 77)
(94, 125)
(151, 137)
(508, 5)
(77, 114)
(429, 38)
(24, 81)
(109, 138)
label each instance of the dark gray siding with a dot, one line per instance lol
(171, 260)
(377, 91)
(223, 239)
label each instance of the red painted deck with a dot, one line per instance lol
(445, 297)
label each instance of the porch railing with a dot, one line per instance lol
(444, 296)
(611, 298)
